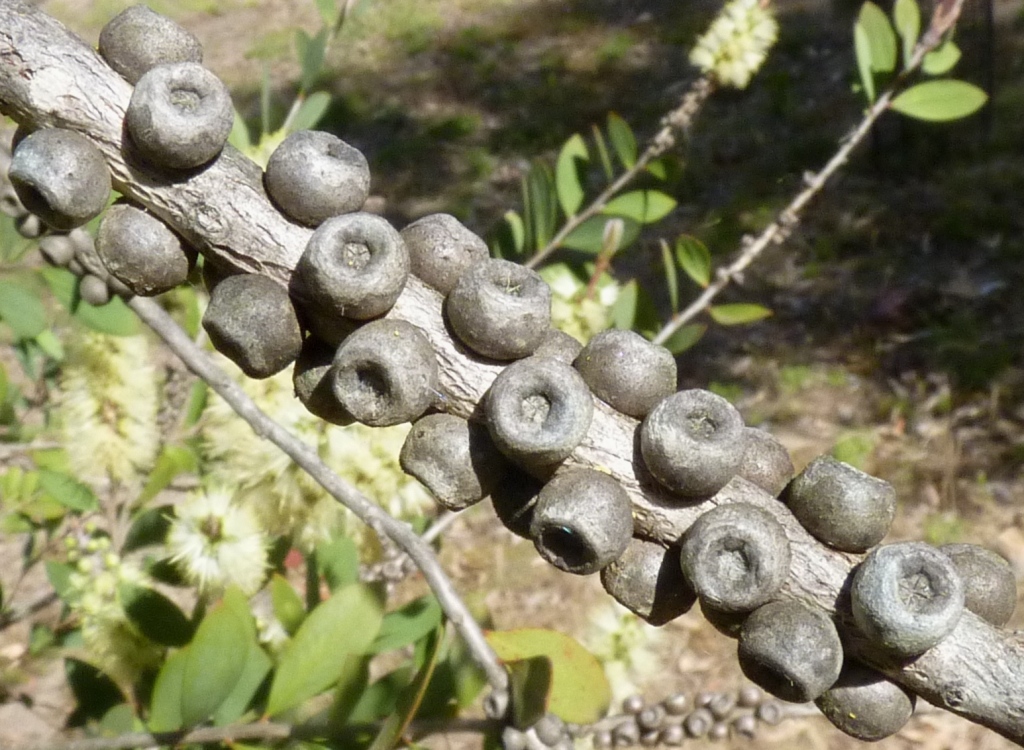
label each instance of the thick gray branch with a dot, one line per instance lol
(48, 77)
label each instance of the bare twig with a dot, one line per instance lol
(676, 121)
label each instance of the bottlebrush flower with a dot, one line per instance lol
(737, 43)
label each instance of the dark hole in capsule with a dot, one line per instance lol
(372, 382)
(564, 544)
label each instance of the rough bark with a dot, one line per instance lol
(50, 78)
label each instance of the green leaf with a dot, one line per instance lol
(644, 206)
(738, 314)
(216, 658)
(407, 624)
(409, 699)
(567, 174)
(287, 604)
(907, 17)
(880, 36)
(685, 337)
(21, 309)
(197, 398)
(119, 720)
(694, 258)
(173, 461)
(328, 12)
(602, 153)
(257, 667)
(350, 689)
(165, 706)
(59, 576)
(862, 47)
(156, 616)
(310, 111)
(539, 198)
(114, 318)
(51, 346)
(623, 312)
(239, 135)
(311, 56)
(940, 101)
(623, 140)
(530, 685)
(657, 168)
(338, 562)
(312, 661)
(67, 491)
(941, 59)
(588, 237)
(149, 528)
(671, 277)
(265, 94)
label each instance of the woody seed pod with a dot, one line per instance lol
(627, 371)
(514, 499)
(137, 39)
(141, 251)
(865, 704)
(441, 249)
(766, 461)
(647, 580)
(313, 387)
(93, 290)
(992, 592)
(559, 345)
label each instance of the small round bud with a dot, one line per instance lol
(513, 739)
(500, 309)
(766, 461)
(791, 650)
(29, 226)
(626, 734)
(385, 373)
(180, 115)
(736, 557)
(841, 506)
(722, 705)
(907, 597)
(649, 739)
(676, 704)
(550, 729)
(57, 249)
(313, 175)
(441, 249)
(60, 176)
(496, 704)
(559, 345)
(10, 203)
(745, 726)
(538, 411)
(313, 387)
(647, 580)
(137, 39)
(865, 704)
(991, 593)
(456, 460)
(627, 371)
(141, 251)
(692, 442)
(514, 499)
(355, 266)
(93, 289)
(250, 319)
(698, 723)
(749, 696)
(651, 717)
(582, 522)
(633, 704)
(719, 731)
(769, 712)
(672, 735)
(603, 739)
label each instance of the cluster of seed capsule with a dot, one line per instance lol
(353, 364)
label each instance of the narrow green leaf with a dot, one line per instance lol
(67, 491)
(165, 706)
(311, 56)
(602, 153)
(517, 230)
(59, 576)
(907, 17)
(738, 314)
(407, 624)
(657, 168)
(149, 528)
(328, 11)
(643, 206)
(196, 403)
(579, 689)
(543, 202)
(940, 101)
(21, 309)
(694, 258)
(588, 237)
(312, 661)
(287, 604)
(265, 92)
(881, 37)
(173, 461)
(623, 312)
(114, 318)
(671, 277)
(156, 616)
(567, 174)
(257, 667)
(338, 562)
(530, 685)
(862, 47)
(941, 59)
(685, 337)
(623, 140)
(216, 658)
(355, 676)
(51, 346)
(239, 135)
(410, 698)
(310, 111)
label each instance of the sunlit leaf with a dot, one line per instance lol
(657, 168)
(173, 461)
(409, 700)
(643, 206)
(907, 17)
(328, 11)
(862, 48)
(940, 101)
(257, 667)
(530, 683)
(567, 174)
(539, 193)
(623, 312)
(239, 135)
(165, 706)
(407, 624)
(602, 152)
(589, 236)
(311, 56)
(214, 663)
(67, 490)
(941, 59)
(287, 603)
(59, 576)
(310, 111)
(880, 37)
(338, 562)
(113, 318)
(671, 277)
(21, 309)
(623, 140)
(738, 313)
(685, 337)
(694, 258)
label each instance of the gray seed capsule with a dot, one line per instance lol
(513, 739)
(538, 411)
(500, 309)
(441, 249)
(769, 712)
(550, 729)
(456, 460)
(559, 345)
(137, 39)
(313, 387)
(673, 735)
(29, 226)
(719, 731)
(649, 739)
(313, 175)
(791, 650)
(736, 557)
(745, 726)
(93, 290)
(141, 251)
(250, 319)
(698, 723)
(627, 371)
(582, 522)
(57, 249)
(603, 739)
(633, 704)
(692, 442)
(355, 266)
(865, 704)
(841, 506)
(60, 176)
(627, 733)
(749, 696)
(647, 580)
(766, 461)
(514, 499)
(676, 704)
(907, 597)
(180, 115)
(722, 705)
(10, 203)
(385, 373)
(651, 717)
(992, 589)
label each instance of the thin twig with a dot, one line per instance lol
(16, 614)
(787, 219)
(676, 121)
(306, 458)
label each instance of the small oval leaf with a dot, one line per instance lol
(21, 309)
(216, 658)
(738, 314)
(907, 17)
(287, 603)
(880, 36)
(694, 258)
(685, 337)
(67, 490)
(156, 616)
(165, 706)
(623, 140)
(567, 174)
(940, 101)
(941, 59)
(407, 624)
(588, 237)
(643, 206)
